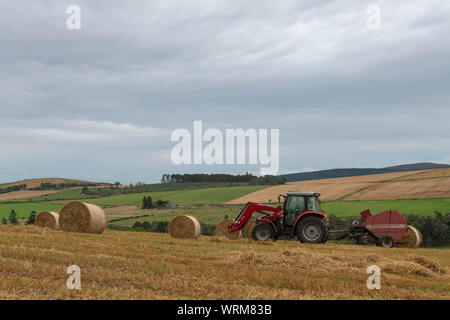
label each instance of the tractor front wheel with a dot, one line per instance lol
(262, 232)
(312, 230)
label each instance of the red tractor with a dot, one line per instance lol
(300, 216)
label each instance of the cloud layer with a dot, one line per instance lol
(100, 103)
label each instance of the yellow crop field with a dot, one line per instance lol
(406, 189)
(133, 265)
(25, 194)
(399, 185)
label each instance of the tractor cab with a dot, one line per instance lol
(296, 203)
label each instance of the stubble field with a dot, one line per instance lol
(131, 265)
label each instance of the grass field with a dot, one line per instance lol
(23, 210)
(181, 197)
(134, 265)
(417, 206)
(71, 194)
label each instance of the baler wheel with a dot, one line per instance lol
(386, 241)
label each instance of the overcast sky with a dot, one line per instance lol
(100, 103)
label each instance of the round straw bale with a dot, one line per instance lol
(47, 219)
(78, 216)
(222, 230)
(184, 227)
(411, 239)
(249, 229)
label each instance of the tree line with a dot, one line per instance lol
(14, 220)
(218, 177)
(13, 188)
(147, 203)
(63, 185)
(205, 177)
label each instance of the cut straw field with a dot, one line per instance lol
(390, 186)
(132, 265)
(26, 194)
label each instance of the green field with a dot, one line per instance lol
(180, 197)
(24, 209)
(71, 194)
(419, 206)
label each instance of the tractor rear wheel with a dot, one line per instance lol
(262, 232)
(386, 241)
(312, 230)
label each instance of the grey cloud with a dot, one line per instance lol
(340, 94)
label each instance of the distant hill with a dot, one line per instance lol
(351, 172)
(418, 184)
(36, 182)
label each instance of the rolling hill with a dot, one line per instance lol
(426, 184)
(36, 182)
(352, 172)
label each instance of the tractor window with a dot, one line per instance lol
(311, 204)
(296, 204)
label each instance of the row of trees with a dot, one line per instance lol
(435, 229)
(63, 185)
(13, 188)
(215, 178)
(147, 203)
(204, 177)
(13, 218)
(268, 180)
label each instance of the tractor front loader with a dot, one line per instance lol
(300, 216)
